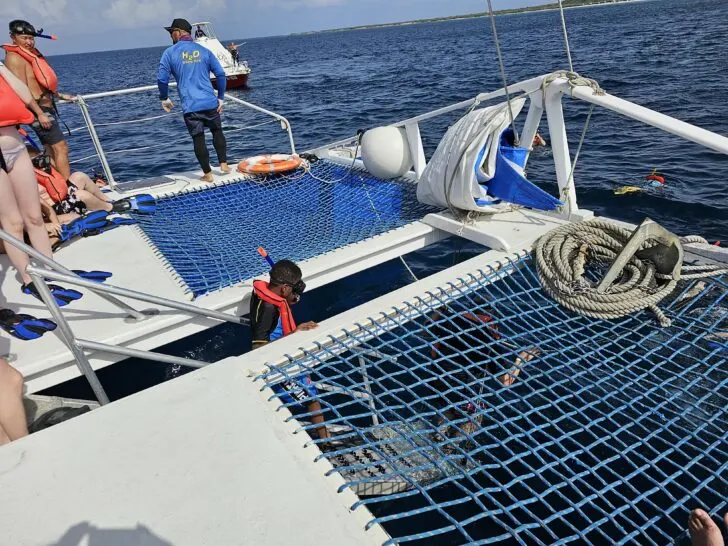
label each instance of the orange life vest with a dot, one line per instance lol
(54, 184)
(44, 74)
(12, 109)
(263, 292)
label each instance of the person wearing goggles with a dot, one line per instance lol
(271, 318)
(29, 65)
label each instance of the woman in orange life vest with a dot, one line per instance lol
(28, 64)
(19, 198)
(271, 319)
(468, 349)
(68, 198)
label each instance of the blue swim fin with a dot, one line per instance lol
(97, 276)
(92, 220)
(110, 224)
(23, 326)
(63, 296)
(143, 203)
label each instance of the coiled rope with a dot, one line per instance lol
(563, 254)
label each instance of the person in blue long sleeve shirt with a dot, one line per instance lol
(191, 64)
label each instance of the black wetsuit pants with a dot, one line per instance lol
(196, 123)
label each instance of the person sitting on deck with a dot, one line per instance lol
(13, 424)
(68, 198)
(704, 531)
(271, 319)
(469, 346)
(199, 33)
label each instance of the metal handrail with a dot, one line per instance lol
(133, 294)
(78, 346)
(54, 265)
(82, 103)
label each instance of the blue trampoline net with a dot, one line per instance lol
(209, 237)
(485, 413)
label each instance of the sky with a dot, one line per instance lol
(95, 25)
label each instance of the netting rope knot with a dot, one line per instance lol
(564, 254)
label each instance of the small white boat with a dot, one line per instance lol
(236, 72)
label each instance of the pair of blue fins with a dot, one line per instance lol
(28, 327)
(97, 222)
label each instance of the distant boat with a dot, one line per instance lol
(237, 74)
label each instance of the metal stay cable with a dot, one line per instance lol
(566, 35)
(503, 71)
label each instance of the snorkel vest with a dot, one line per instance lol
(53, 182)
(44, 74)
(12, 108)
(262, 290)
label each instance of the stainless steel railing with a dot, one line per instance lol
(98, 147)
(78, 347)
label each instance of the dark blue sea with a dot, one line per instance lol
(669, 55)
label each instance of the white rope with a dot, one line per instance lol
(570, 180)
(566, 36)
(503, 72)
(562, 256)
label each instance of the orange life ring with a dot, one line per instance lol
(271, 163)
(656, 178)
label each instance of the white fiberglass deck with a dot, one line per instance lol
(124, 252)
(202, 460)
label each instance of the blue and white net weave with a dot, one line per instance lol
(610, 434)
(209, 237)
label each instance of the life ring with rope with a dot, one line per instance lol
(270, 163)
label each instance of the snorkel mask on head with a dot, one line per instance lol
(19, 27)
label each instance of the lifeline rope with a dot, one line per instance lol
(562, 255)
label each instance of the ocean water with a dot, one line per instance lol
(669, 55)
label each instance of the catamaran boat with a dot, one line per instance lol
(603, 418)
(236, 72)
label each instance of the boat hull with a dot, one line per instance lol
(234, 81)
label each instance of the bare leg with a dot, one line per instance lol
(93, 202)
(703, 530)
(59, 153)
(12, 222)
(318, 419)
(508, 378)
(83, 182)
(66, 218)
(25, 188)
(12, 412)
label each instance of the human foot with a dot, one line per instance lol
(703, 530)
(207, 177)
(225, 168)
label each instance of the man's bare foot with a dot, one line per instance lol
(207, 177)
(523, 357)
(224, 167)
(703, 530)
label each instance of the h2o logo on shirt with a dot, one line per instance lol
(193, 57)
